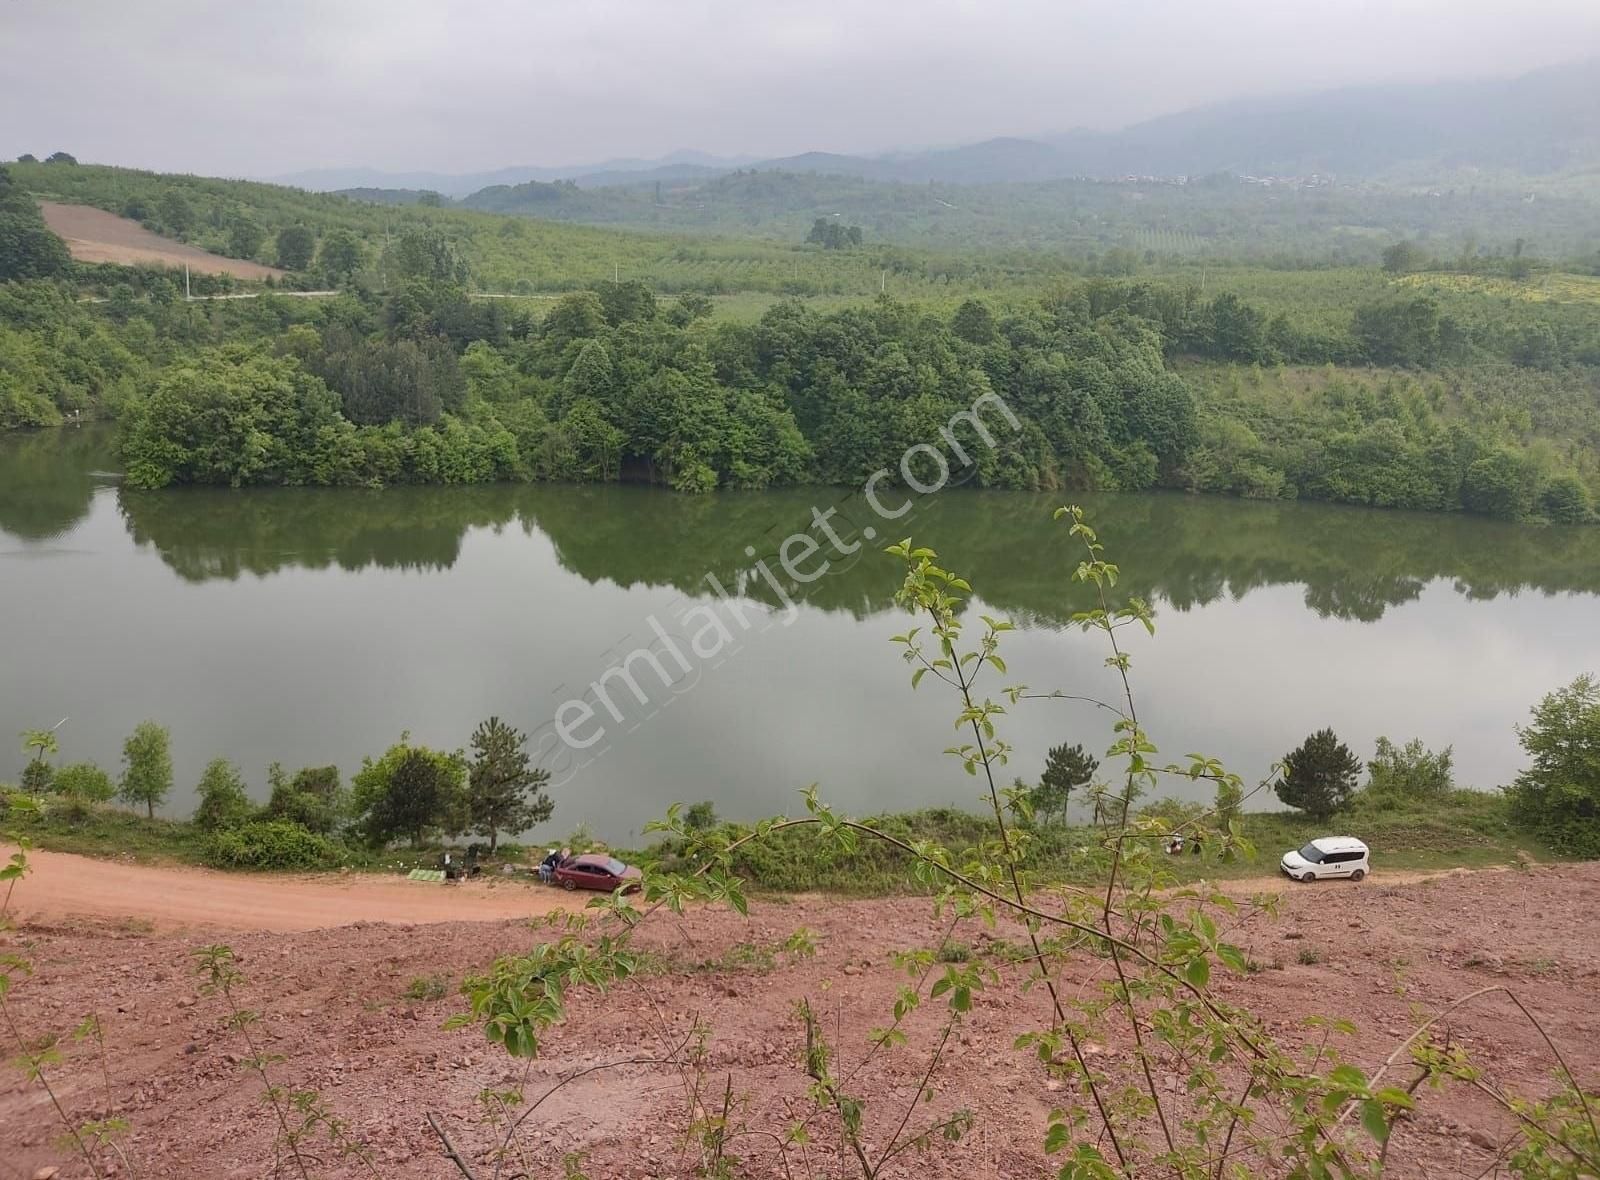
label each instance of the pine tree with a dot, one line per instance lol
(504, 793)
(1320, 776)
(1065, 769)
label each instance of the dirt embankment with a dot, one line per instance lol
(334, 1006)
(93, 235)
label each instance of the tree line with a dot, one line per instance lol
(1556, 799)
(428, 386)
(410, 793)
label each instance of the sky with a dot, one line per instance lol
(236, 88)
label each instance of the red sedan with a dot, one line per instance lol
(596, 871)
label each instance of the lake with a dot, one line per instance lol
(311, 626)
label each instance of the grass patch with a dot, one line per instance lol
(426, 987)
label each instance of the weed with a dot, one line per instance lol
(426, 987)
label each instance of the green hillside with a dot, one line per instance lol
(510, 255)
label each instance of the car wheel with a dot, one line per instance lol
(569, 884)
(1358, 874)
(1307, 877)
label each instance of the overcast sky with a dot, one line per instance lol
(256, 89)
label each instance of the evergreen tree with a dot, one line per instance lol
(1320, 776)
(504, 793)
(1065, 769)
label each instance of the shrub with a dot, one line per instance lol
(38, 777)
(223, 802)
(700, 817)
(1411, 771)
(84, 781)
(271, 844)
(313, 798)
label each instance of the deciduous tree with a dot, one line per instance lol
(146, 766)
(411, 791)
(296, 244)
(1558, 796)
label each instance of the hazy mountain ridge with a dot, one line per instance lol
(1536, 124)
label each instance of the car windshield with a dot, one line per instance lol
(1311, 854)
(615, 867)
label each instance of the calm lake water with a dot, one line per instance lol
(312, 627)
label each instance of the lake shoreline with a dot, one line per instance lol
(1466, 829)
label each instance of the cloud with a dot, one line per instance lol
(216, 86)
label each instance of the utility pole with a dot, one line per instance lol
(187, 298)
(883, 282)
(616, 272)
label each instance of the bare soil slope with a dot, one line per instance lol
(93, 235)
(333, 1004)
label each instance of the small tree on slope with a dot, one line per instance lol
(1320, 776)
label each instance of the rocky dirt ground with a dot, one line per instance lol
(334, 1006)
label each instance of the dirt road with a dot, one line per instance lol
(178, 897)
(61, 887)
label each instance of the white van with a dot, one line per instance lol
(1327, 856)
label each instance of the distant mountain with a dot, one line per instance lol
(993, 160)
(1541, 123)
(1544, 122)
(676, 165)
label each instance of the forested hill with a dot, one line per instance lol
(1217, 217)
(1466, 383)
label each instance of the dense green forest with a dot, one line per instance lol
(1445, 384)
(427, 386)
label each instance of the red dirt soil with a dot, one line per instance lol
(93, 235)
(333, 1005)
(67, 888)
